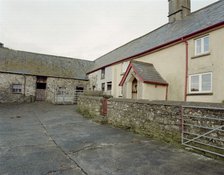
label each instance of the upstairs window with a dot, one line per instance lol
(102, 73)
(202, 45)
(17, 88)
(201, 83)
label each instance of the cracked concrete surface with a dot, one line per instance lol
(52, 140)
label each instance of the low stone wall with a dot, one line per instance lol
(157, 120)
(89, 106)
(164, 120)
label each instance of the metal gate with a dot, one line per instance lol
(66, 98)
(203, 129)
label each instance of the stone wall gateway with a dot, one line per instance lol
(201, 120)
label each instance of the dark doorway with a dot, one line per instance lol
(134, 88)
(41, 86)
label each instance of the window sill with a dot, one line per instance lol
(198, 94)
(201, 55)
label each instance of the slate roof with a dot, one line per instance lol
(43, 65)
(196, 21)
(146, 72)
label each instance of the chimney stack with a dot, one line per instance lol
(178, 9)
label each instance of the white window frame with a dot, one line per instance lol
(202, 39)
(200, 83)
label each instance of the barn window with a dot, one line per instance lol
(17, 88)
(61, 91)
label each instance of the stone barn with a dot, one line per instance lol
(26, 76)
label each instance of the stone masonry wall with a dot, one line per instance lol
(145, 117)
(6, 82)
(163, 120)
(90, 106)
(70, 85)
(29, 85)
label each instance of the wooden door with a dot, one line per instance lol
(40, 94)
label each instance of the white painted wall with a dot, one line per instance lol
(95, 79)
(214, 62)
(170, 63)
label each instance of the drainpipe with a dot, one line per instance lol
(186, 69)
(24, 88)
(166, 93)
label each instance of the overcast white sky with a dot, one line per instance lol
(83, 29)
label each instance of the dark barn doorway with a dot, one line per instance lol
(41, 85)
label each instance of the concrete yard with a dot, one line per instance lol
(44, 139)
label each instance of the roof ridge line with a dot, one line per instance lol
(154, 30)
(36, 53)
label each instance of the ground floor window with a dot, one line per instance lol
(109, 86)
(103, 86)
(200, 83)
(17, 88)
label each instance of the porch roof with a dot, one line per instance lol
(146, 73)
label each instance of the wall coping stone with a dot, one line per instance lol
(170, 103)
(91, 97)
